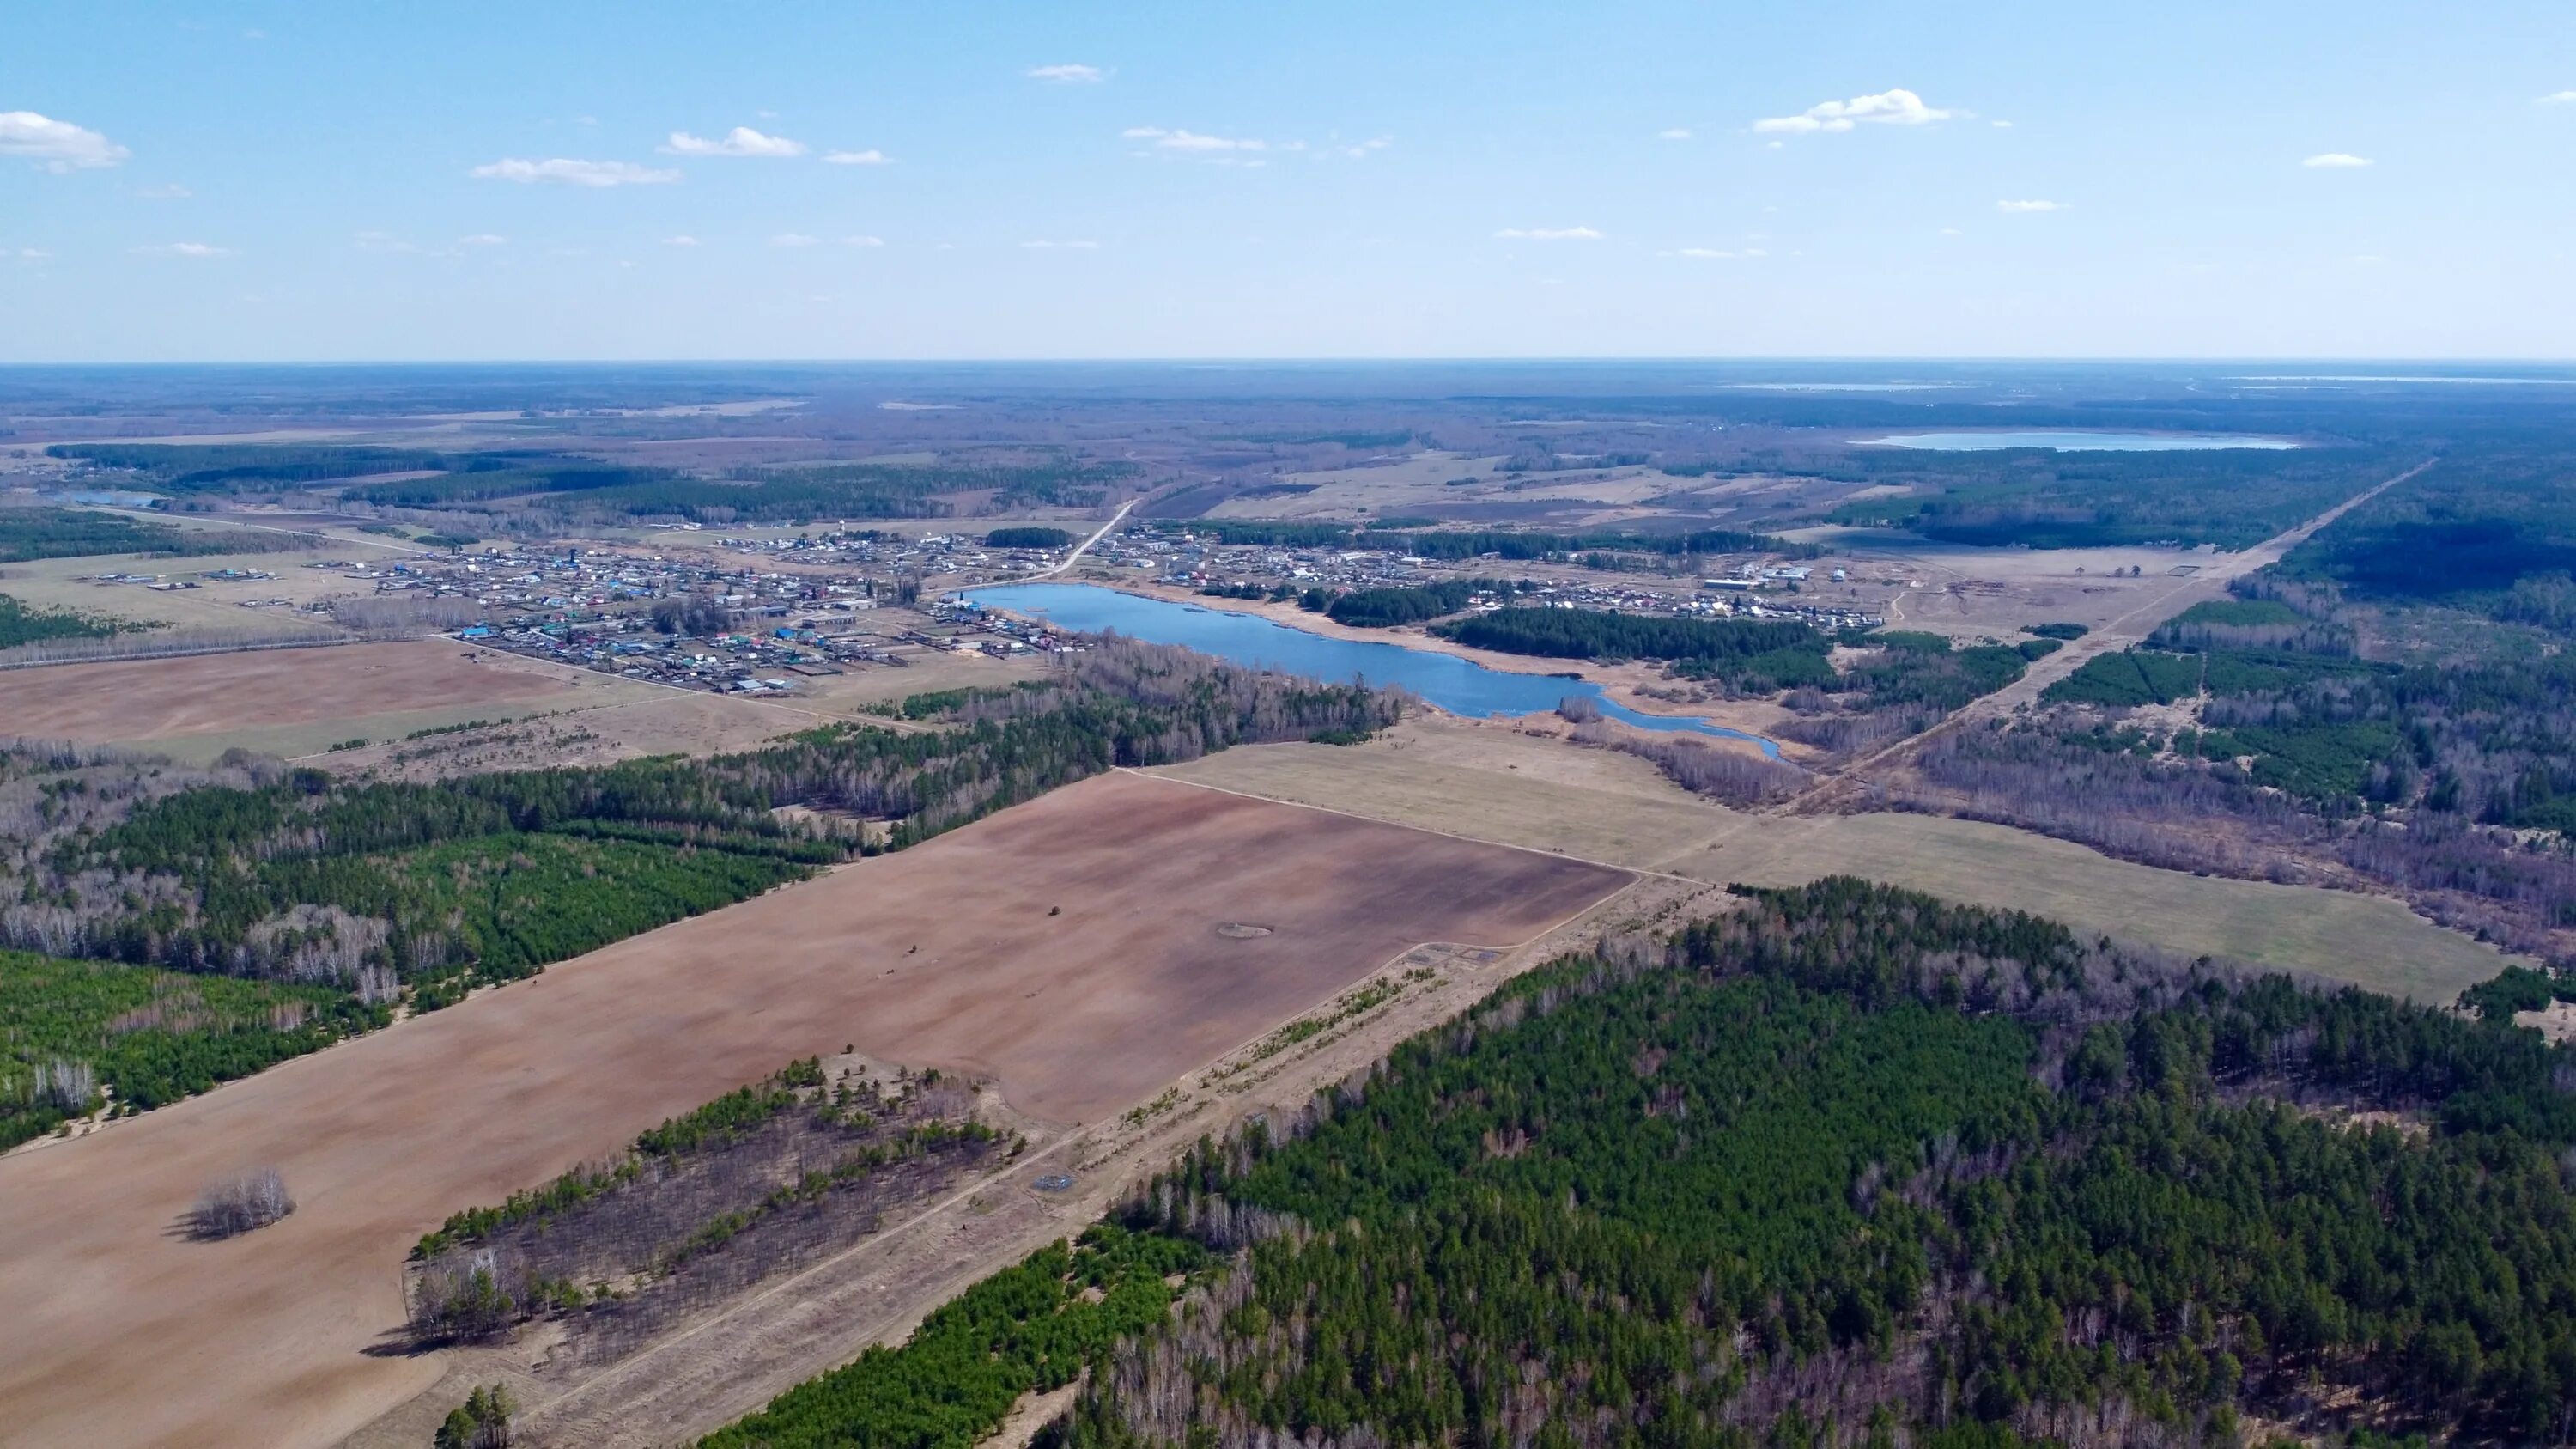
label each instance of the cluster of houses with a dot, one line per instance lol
(691, 620)
(1758, 591)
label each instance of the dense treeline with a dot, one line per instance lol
(1751, 655)
(197, 467)
(20, 624)
(1855, 1166)
(1029, 536)
(1456, 544)
(2493, 533)
(2042, 498)
(72, 1033)
(1032, 1327)
(1388, 607)
(446, 490)
(29, 534)
(1466, 544)
(843, 490)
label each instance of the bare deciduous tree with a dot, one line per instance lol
(245, 1202)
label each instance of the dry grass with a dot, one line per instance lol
(1459, 778)
(282, 698)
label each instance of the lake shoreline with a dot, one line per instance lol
(1473, 689)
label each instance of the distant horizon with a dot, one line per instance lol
(242, 180)
(1353, 360)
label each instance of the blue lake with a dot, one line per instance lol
(1460, 686)
(2067, 440)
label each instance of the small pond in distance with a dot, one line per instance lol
(2068, 440)
(1460, 686)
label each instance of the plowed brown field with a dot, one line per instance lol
(123, 1332)
(143, 699)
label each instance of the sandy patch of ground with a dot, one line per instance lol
(151, 699)
(2556, 1021)
(940, 956)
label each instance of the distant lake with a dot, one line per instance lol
(2067, 440)
(1460, 686)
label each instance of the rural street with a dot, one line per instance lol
(1079, 549)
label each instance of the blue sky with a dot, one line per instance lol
(416, 181)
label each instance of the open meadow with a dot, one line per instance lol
(1081, 951)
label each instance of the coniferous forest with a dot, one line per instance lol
(1852, 1166)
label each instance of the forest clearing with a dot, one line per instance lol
(1071, 949)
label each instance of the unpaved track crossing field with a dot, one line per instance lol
(122, 1332)
(148, 699)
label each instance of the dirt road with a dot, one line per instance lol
(2206, 583)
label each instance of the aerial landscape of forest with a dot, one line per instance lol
(1383, 727)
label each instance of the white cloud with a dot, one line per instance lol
(2335, 161)
(1887, 108)
(740, 141)
(172, 192)
(795, 239)
(1548, 233)
(482, 239)
(1358, 151)
(1069, 246)
(1950, 231)
(869, 157)
(2023, 207)
(863, 241)
(679, 241)
(1067, 75)
(383, 241)
(183, 249)
(1677, 133)
(2000, 125)
(1187, 140)
(1706, 254)
(2559, 98)
(574, 173)
(61, 145)
(35, 254)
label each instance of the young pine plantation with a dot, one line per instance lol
(1847, 1166)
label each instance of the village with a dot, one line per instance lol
(757, 614)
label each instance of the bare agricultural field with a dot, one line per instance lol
(1507, 788)
(946, 955)
(1459, 778)
(260, 691)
